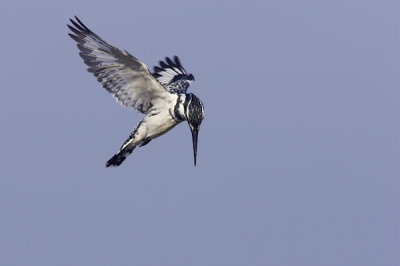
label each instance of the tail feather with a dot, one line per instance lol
(116, 160)
(119, 157)
(127, 148)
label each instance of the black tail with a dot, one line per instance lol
(116, 160)
(120, 156)
(126, 149)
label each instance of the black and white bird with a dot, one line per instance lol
(161, 96)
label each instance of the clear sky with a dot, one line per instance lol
(298, 155)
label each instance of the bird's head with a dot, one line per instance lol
(194, 112)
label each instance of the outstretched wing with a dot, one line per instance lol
(173, 76)
(121, 74)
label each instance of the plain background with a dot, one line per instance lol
(298, 160)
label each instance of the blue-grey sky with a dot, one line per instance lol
(298, 156)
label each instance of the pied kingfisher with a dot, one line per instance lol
(161, 96)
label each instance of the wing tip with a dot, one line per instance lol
(170, 71)
(79, 26)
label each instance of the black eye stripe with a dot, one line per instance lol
(186, 104)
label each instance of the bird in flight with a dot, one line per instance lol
(161, 95)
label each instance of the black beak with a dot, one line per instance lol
(195, 131)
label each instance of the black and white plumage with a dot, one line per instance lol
(161, 96)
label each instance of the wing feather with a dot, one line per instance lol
(119, 72)
(173, 76)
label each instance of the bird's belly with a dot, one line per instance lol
(160, 125)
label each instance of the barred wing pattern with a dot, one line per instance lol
(173, 76)
(121, 74)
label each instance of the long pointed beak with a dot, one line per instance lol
(195, 132)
